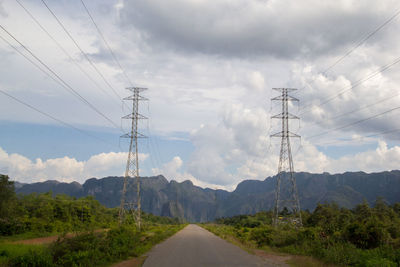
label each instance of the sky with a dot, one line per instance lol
(209, 67)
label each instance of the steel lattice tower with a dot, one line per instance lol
(132, 164)
(286, 190)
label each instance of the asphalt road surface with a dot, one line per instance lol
(194, 246)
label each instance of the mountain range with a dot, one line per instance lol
(185, 200)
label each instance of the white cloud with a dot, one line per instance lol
(237, 149)
(3, 13)
(380, 159)
(173, 171)
(257, 81)
(201, 57)
(65, 169)
(252, 27)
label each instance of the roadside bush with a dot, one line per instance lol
(84, 248)
(379, 262)
(93, 249)
(362, 236)
(311, 234)
(251, 223)
(284, 238)
(10, 226)
(366, 235)
(263, 236)
(119, 242)
(34, 258)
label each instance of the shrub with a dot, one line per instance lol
(263, 235)
(120, 242)
(34, 258)
(84, 248)
(366, 235)
(380, 262)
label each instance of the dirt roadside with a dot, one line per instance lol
(48, 239)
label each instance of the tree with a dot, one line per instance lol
(7, 195)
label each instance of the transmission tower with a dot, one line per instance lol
(286, 195)
(132, 164)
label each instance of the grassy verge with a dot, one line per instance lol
(241, 238)
(88, 249)
(306, 242)
(10, 253)
(25, 236)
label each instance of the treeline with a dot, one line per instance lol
(45, 213)
(89, 248)
(363, 236)
(42, 214)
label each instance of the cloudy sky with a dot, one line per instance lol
(209, 67)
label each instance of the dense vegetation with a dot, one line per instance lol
(43, 213)
(98, 239)
(363, 236)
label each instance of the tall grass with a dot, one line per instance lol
(89, 248)
(308, 242)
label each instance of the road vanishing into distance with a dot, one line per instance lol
(194, 246)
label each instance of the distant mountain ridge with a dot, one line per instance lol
(197, 204)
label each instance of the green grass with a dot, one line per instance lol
(88, 248)
(303, 242)
(101, 249)
(12, 252)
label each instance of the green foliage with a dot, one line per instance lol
(43, 213)
(94, 249)
(88, 248)
(82, 249)
(363, 236)
(32, 258)
(256, 220)
(35, 215)
(150, 219)
(120, 242)
(7, 196)
(24, 255)
(367, 234)
(263, 235)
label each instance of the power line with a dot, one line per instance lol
(64, 84)
(354, 123)
(54, 118)
(357, 83)
(383, 133)
(108, 46)
(357, 110)
(30, 60)
(149, 141)
(360, 138)
(80, 49)
(359, 43)
(62, 48)
(363, 41)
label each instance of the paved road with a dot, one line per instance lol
(194, 246)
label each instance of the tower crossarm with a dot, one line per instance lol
(287, 98)
(282, 134)
(285, 116)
